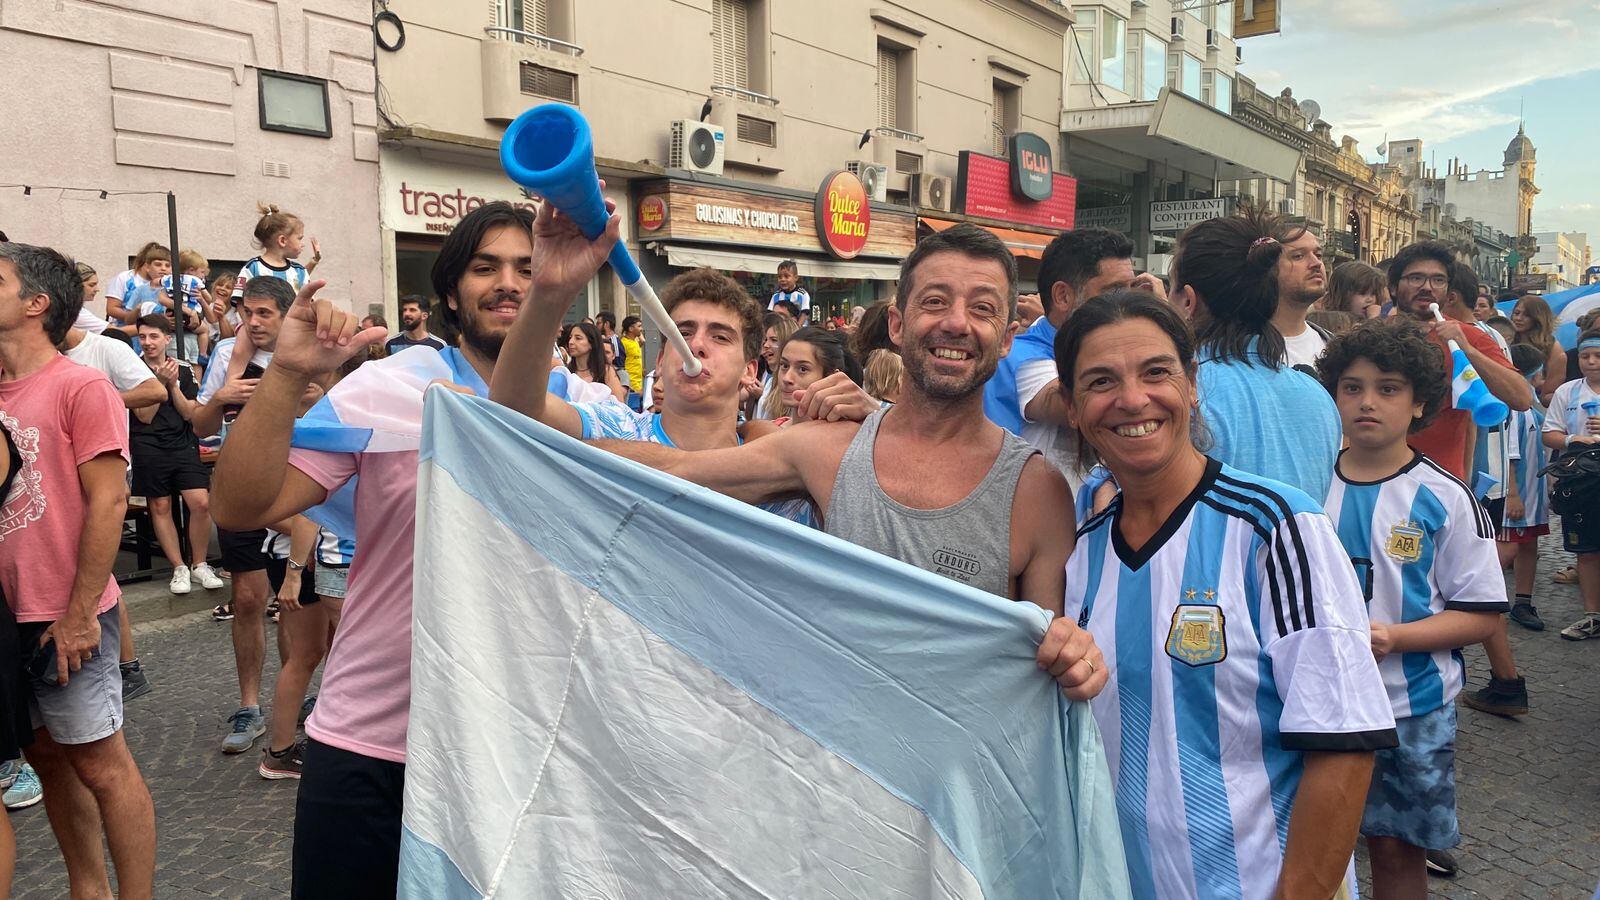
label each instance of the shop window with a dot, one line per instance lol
(543, 81)
(297, 104)
(896, 87)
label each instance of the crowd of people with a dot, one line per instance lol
(1243, 487)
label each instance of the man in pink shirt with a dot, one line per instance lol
(347, 814)
(59, 531)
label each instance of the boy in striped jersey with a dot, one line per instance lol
(1423, 550)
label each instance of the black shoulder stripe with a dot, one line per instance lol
(1266, 539)
(1273, 546)
(1485, 525)
(1302, 614)
(1301, 556)
(1095, 520)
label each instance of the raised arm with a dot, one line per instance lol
(755, 472)
(254, 484)
(563, 262)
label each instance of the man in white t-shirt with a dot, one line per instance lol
(1302, 281)
(133, 379)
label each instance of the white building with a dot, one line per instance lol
(1563, 256)
(1500, 198)
(1148, 119)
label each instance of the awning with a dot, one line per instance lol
(1185, 134)
(690, 257)
(1021, 243)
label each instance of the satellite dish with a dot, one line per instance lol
(1311, 109)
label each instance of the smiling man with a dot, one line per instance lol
(929, 481)
(347, 815)
(1302, 281)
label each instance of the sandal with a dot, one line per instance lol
(222, 612)
(1568, 575)
(272, 610)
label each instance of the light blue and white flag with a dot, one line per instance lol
(620, 690)
(1468, 392)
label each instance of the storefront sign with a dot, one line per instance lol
(652, 214)
(984, 188)
(1116, 218)
(840, 222)
(1175, 215)
(1032, 176)
(843, 215)
(422, 196)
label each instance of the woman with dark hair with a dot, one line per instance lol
(1357, 288)
(1233, 628)
(586, 359)
(1535, 325)
(1268, 419)
(810, 355)
(872, 332)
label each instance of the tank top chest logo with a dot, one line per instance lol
(955, 564)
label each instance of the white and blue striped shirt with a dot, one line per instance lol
(292, 272)
(798, 297)
(1525, 447)
(1235, 640)
(1420, 545)
(333, 550)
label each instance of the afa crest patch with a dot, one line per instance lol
(1198, 636)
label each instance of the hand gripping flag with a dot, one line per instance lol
(624, 685)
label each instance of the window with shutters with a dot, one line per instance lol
(1003, 118)
(527, 21)
(543, 81)
(889, 115)
(730, 43)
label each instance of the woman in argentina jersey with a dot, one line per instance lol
(1243, 704)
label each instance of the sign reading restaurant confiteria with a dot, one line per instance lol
(1169, 216)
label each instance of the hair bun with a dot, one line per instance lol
(267, 209)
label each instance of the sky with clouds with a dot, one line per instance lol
(1454, 73)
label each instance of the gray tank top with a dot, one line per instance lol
(969, 541)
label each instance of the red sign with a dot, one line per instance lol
(843, 215)
(652, 213)
(983, 188)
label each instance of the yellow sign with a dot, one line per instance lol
(1405, 543)
(1253, 18)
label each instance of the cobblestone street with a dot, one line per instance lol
(1529, 789)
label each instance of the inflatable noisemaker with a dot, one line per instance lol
(548, 150)
(1467, 390)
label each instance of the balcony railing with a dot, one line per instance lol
(740, 93)
(886, 131)
(544, 41)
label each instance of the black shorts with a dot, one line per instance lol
(347, 825)
(1496, 509)
(16, 724)
(1578, 535)
(241, 550)
(278, 568)
(160, 474)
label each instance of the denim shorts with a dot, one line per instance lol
(1413, 793)
(330, 581)
(89, 706)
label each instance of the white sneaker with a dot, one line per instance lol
(180, 580)
(207, 577)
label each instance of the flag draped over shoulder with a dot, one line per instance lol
(624, 685)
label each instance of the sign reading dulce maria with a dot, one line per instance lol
(652, 213)
(1032, 170)
(843, 215)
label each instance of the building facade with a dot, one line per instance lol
(1150, 125)
(717, 122)
(1500, 198)
(224, 105)
(1562, 260)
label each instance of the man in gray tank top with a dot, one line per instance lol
(930, 481)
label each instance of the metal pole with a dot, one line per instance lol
(180, 515)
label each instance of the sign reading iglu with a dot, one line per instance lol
(1032, 175)
(843, 215)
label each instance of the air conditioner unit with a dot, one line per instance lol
(697, 146)
(1177, 28)
(930, 191)
(1211, 39)
(1286, 206)
(874, 177)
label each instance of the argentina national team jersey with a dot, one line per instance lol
(1420, 544)
(1525, 447)
(1235, 640)
(292, 272)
